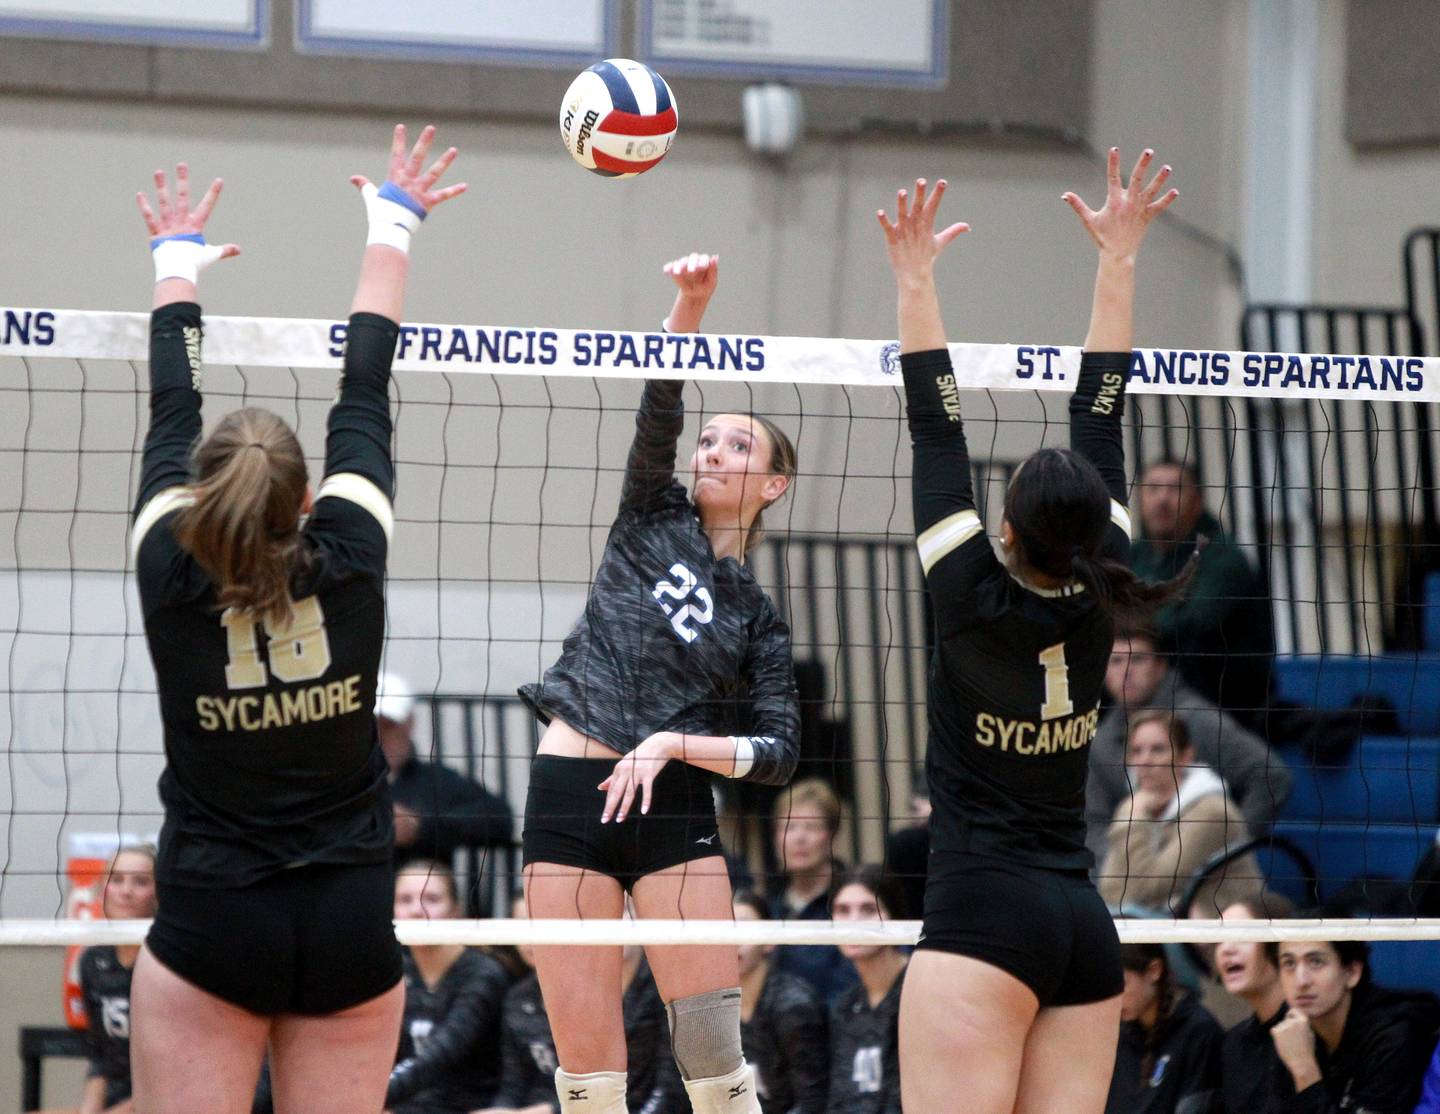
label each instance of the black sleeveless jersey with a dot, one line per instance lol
(865, 1052)
(271, 754)
(528, 1060)
(671, 638)
(105, 986)
(449, 1057)
(785, 1041)
(1016, 677)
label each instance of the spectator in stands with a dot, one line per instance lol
(438, 810)
(1247, 1053)
(1177, 818)
(449, 1056)
(1222, 632)
(782, 1026)
(807, 818)
(105, 971)
(1168, 1058)
(907, 849)
(864, 1021)
(1141, 679)
(1346, 1044)
(528, 1059)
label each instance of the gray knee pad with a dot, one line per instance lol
(705, 1033)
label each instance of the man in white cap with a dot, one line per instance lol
(437, 809)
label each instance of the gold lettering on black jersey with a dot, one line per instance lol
(949, 396)
(1111, 383)
(267, 711)
(192, 353)
(1030, 739)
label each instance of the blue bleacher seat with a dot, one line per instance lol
(1345, 850)
(1411, 682)
(1430, 617)
(1383, 779)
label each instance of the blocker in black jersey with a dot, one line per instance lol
(528, 1058)
(865, 1053)
(105, 986)
(673, 639)
(1016, 677)
(786, 1042)
(271, 754)
(449, 1058)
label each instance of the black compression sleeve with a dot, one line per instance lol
(175, 334)
(1097, 412)
(941, 474)
(650, 469)
(359, 429)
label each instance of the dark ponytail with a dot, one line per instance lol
(244, 526)
(1137, 958)
(1059, 508)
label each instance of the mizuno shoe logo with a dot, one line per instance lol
(707, 840)
(737, 1090)
(578, 1095)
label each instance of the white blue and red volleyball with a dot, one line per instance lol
(618, 118)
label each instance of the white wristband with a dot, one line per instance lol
(744, 755)
(182, 257)
(394, 216)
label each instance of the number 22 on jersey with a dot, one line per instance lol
(300, 652)
(684, 587)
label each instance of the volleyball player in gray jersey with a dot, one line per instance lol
(675, 638)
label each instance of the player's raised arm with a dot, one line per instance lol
(358, 465)
(650, 467)
(179, 252)
(944, 503)
(1097, 407)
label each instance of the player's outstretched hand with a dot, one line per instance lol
(696, 276)
(1118, 227)
(911, 239)
(172, 218)
(407, 175)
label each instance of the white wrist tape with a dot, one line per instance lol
(744, 755)
(394, 215)
(182, 257)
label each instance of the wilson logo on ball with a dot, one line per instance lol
(618, 118)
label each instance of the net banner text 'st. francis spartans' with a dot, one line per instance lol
(738, 357)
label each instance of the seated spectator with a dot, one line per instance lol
(1168, 1057)
(807, 817)
(1247, 1054)
(1222, 632)
(437, 810)
(528, 1058)
(782, 1027)
(449, 1055)
(1177, 818)
(105, 970)
(1140, 679)
(907, 848)
(1346, 1044)
(864, 1021)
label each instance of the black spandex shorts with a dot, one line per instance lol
(562, 819)
(308, 940)
(1050, 929)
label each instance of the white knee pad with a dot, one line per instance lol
(705, 1034)
(598, 1092)
(727, 1094)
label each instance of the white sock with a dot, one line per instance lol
(598, 1092)
(725, 1094)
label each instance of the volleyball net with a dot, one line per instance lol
(510, 444)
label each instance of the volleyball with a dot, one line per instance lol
(618, 118)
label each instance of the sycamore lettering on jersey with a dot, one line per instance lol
(1033, 739)
(262, 712)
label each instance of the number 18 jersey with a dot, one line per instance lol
(271, 753)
